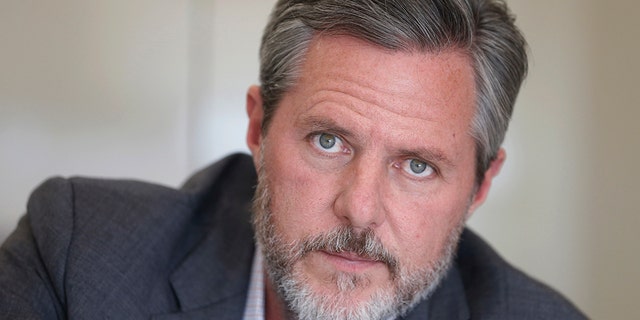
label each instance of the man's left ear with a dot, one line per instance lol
(483, 189)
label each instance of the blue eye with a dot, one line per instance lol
(328, 142)
(417, 168)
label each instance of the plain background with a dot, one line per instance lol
(153, 90)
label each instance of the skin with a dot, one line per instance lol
(384, 109)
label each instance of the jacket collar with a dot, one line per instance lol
(212, 279)
(212, 282)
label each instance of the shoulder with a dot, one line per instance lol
(94, 242)
(128, 206)
(494, 288)
(95, 214)
(96, 208)
(93, 235)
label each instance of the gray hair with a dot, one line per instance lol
(483, 29)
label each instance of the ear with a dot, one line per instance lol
(483, 189)
(255, 112)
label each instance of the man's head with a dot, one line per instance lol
(376, 132)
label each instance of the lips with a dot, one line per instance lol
(351, 256)
(350, 261)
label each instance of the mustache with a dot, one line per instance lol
(346, 239)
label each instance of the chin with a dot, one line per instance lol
(342, 296)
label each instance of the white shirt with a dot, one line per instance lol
(254, 309)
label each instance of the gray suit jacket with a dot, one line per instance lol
(100, 249)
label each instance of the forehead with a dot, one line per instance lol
(411, 84)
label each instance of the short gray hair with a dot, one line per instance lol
(483, 29)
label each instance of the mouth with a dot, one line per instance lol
(350, 262)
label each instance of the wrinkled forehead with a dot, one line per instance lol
(414, 84)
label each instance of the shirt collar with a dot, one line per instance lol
(254, 308)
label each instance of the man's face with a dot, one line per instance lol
(367, 175)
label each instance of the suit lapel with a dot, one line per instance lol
(211, 282)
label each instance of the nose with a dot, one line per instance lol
(360, 203)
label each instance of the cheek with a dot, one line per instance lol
(423, 232)
(301, 197)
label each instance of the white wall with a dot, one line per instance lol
(227, 44)
(91, 88)
(155, 89)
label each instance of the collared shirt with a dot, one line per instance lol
(254, 309)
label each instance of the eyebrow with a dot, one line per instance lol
(432, 155)
(316, 123)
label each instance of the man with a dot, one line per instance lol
(375, 134)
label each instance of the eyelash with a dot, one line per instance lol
(314, 139)
(430, 167)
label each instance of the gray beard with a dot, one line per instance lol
(407, 289)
